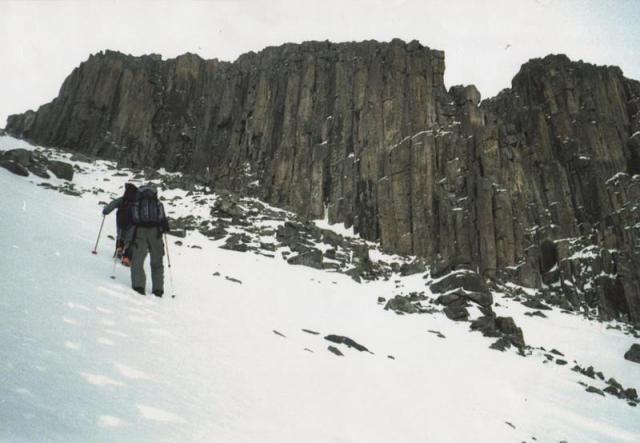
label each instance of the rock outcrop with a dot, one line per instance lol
(538, 185)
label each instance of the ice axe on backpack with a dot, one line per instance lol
(95, 248)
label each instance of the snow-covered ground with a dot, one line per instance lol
(83, 358)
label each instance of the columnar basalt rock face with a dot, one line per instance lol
(537, 185)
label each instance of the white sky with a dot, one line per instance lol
(41, 41)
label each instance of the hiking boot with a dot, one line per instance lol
(126, 261)
(158, 293)
(139, 290)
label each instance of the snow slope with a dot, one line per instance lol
(84, 358)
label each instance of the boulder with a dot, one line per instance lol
(633, 354)
(415, 267)
(15, 167)
(401, 303)
(311, 258)
(456, 312)
(61, 170)
(469, 281)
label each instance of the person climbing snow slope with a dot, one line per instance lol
(123, 219)
(149, 223)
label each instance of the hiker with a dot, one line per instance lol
(149, 223)
(123, 220)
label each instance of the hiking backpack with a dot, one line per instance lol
(147, 210)
(124, 216)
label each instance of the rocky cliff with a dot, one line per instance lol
(538, 185)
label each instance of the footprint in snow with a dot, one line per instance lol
(158, 332)
(100, 380)
(72, 305)
(129, 372)
(104, 310)
(155, 414)
(105, 341)
(136, 319)
(115, 333)
(72, 345)
(109, 422)
(70, 321)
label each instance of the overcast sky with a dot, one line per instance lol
(485, 41)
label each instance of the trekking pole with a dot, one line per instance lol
(113, 271)
(166, 245)
(95, 248)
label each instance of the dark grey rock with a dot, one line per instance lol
(61, 170)
(415, 267)
(456, 312)
(335, 350)
(594, 390)
(536, 304)
(346, 341)
(633, 354)
(15, 167)
(311, 258)
(469, 281)
(631, 394)
(535, 314)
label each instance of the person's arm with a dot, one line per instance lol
(111, 206)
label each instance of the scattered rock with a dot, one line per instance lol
(61, 170)
(311, 258)
(404, 304)
(631, 393)
(279, 333)
(335, 350)
(309, 331)
(346, 341)
(456, 312)
(415, 267)
(15, 167)
(561, 362)
(504, 327)
(535, 314)
(502, 344)
(467, 280)
(391, 357)
(536, 304)
(231, 279)
(594, 390)
(633, 354)
(437, 333)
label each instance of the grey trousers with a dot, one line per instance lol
(147, 240)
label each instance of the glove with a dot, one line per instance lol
(104, 211)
